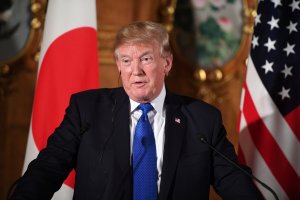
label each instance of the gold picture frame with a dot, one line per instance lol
(23, 18)
(21, 31)
(215, 72)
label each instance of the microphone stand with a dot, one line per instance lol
(240, 168)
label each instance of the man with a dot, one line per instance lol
(101, 136)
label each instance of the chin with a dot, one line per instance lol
(140, 95)
(142, 98)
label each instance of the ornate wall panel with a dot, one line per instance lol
(20, 34)
(205, 67)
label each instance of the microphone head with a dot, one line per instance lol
(201, 138)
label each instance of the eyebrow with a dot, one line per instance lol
(143, 54)
(146, 53)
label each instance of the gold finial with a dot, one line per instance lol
(4, 70)
(36, 7)
(201, 75)
(35, 23)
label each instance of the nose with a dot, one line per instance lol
(137, 69)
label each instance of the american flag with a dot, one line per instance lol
(270, 113)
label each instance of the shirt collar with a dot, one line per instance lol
(157, 103)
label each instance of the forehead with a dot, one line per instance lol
(137, 48)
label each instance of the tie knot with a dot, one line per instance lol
(145, 107)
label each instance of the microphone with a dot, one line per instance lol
(203, 140)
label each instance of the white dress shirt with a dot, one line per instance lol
(157, 121)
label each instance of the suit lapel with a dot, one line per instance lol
(174, 136)
(114, 157)
(121, 129)
(122, 186)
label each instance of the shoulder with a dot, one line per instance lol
(200, 116)
(193, 105)
(97, 93)
(90, 98)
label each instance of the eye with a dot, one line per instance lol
(147, 59)
(125, 61)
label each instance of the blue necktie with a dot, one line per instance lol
(144, 158)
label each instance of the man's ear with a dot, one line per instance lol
(168, 64)
(118, 67)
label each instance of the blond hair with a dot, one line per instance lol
(144, 32)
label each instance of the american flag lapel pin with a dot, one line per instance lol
(177, 120)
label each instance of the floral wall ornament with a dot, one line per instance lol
(208, 31)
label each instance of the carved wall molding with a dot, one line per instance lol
(17, 82)
(27, 57)
(208, 82)
(106, 36)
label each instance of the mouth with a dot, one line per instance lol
(139, 84)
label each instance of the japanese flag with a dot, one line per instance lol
(68, 64)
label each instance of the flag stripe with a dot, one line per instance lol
(259, 167)
(294, 124)
(279, 165)
(269, 113)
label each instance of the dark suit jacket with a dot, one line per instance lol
(94, 138)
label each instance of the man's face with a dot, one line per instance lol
(142, 70)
